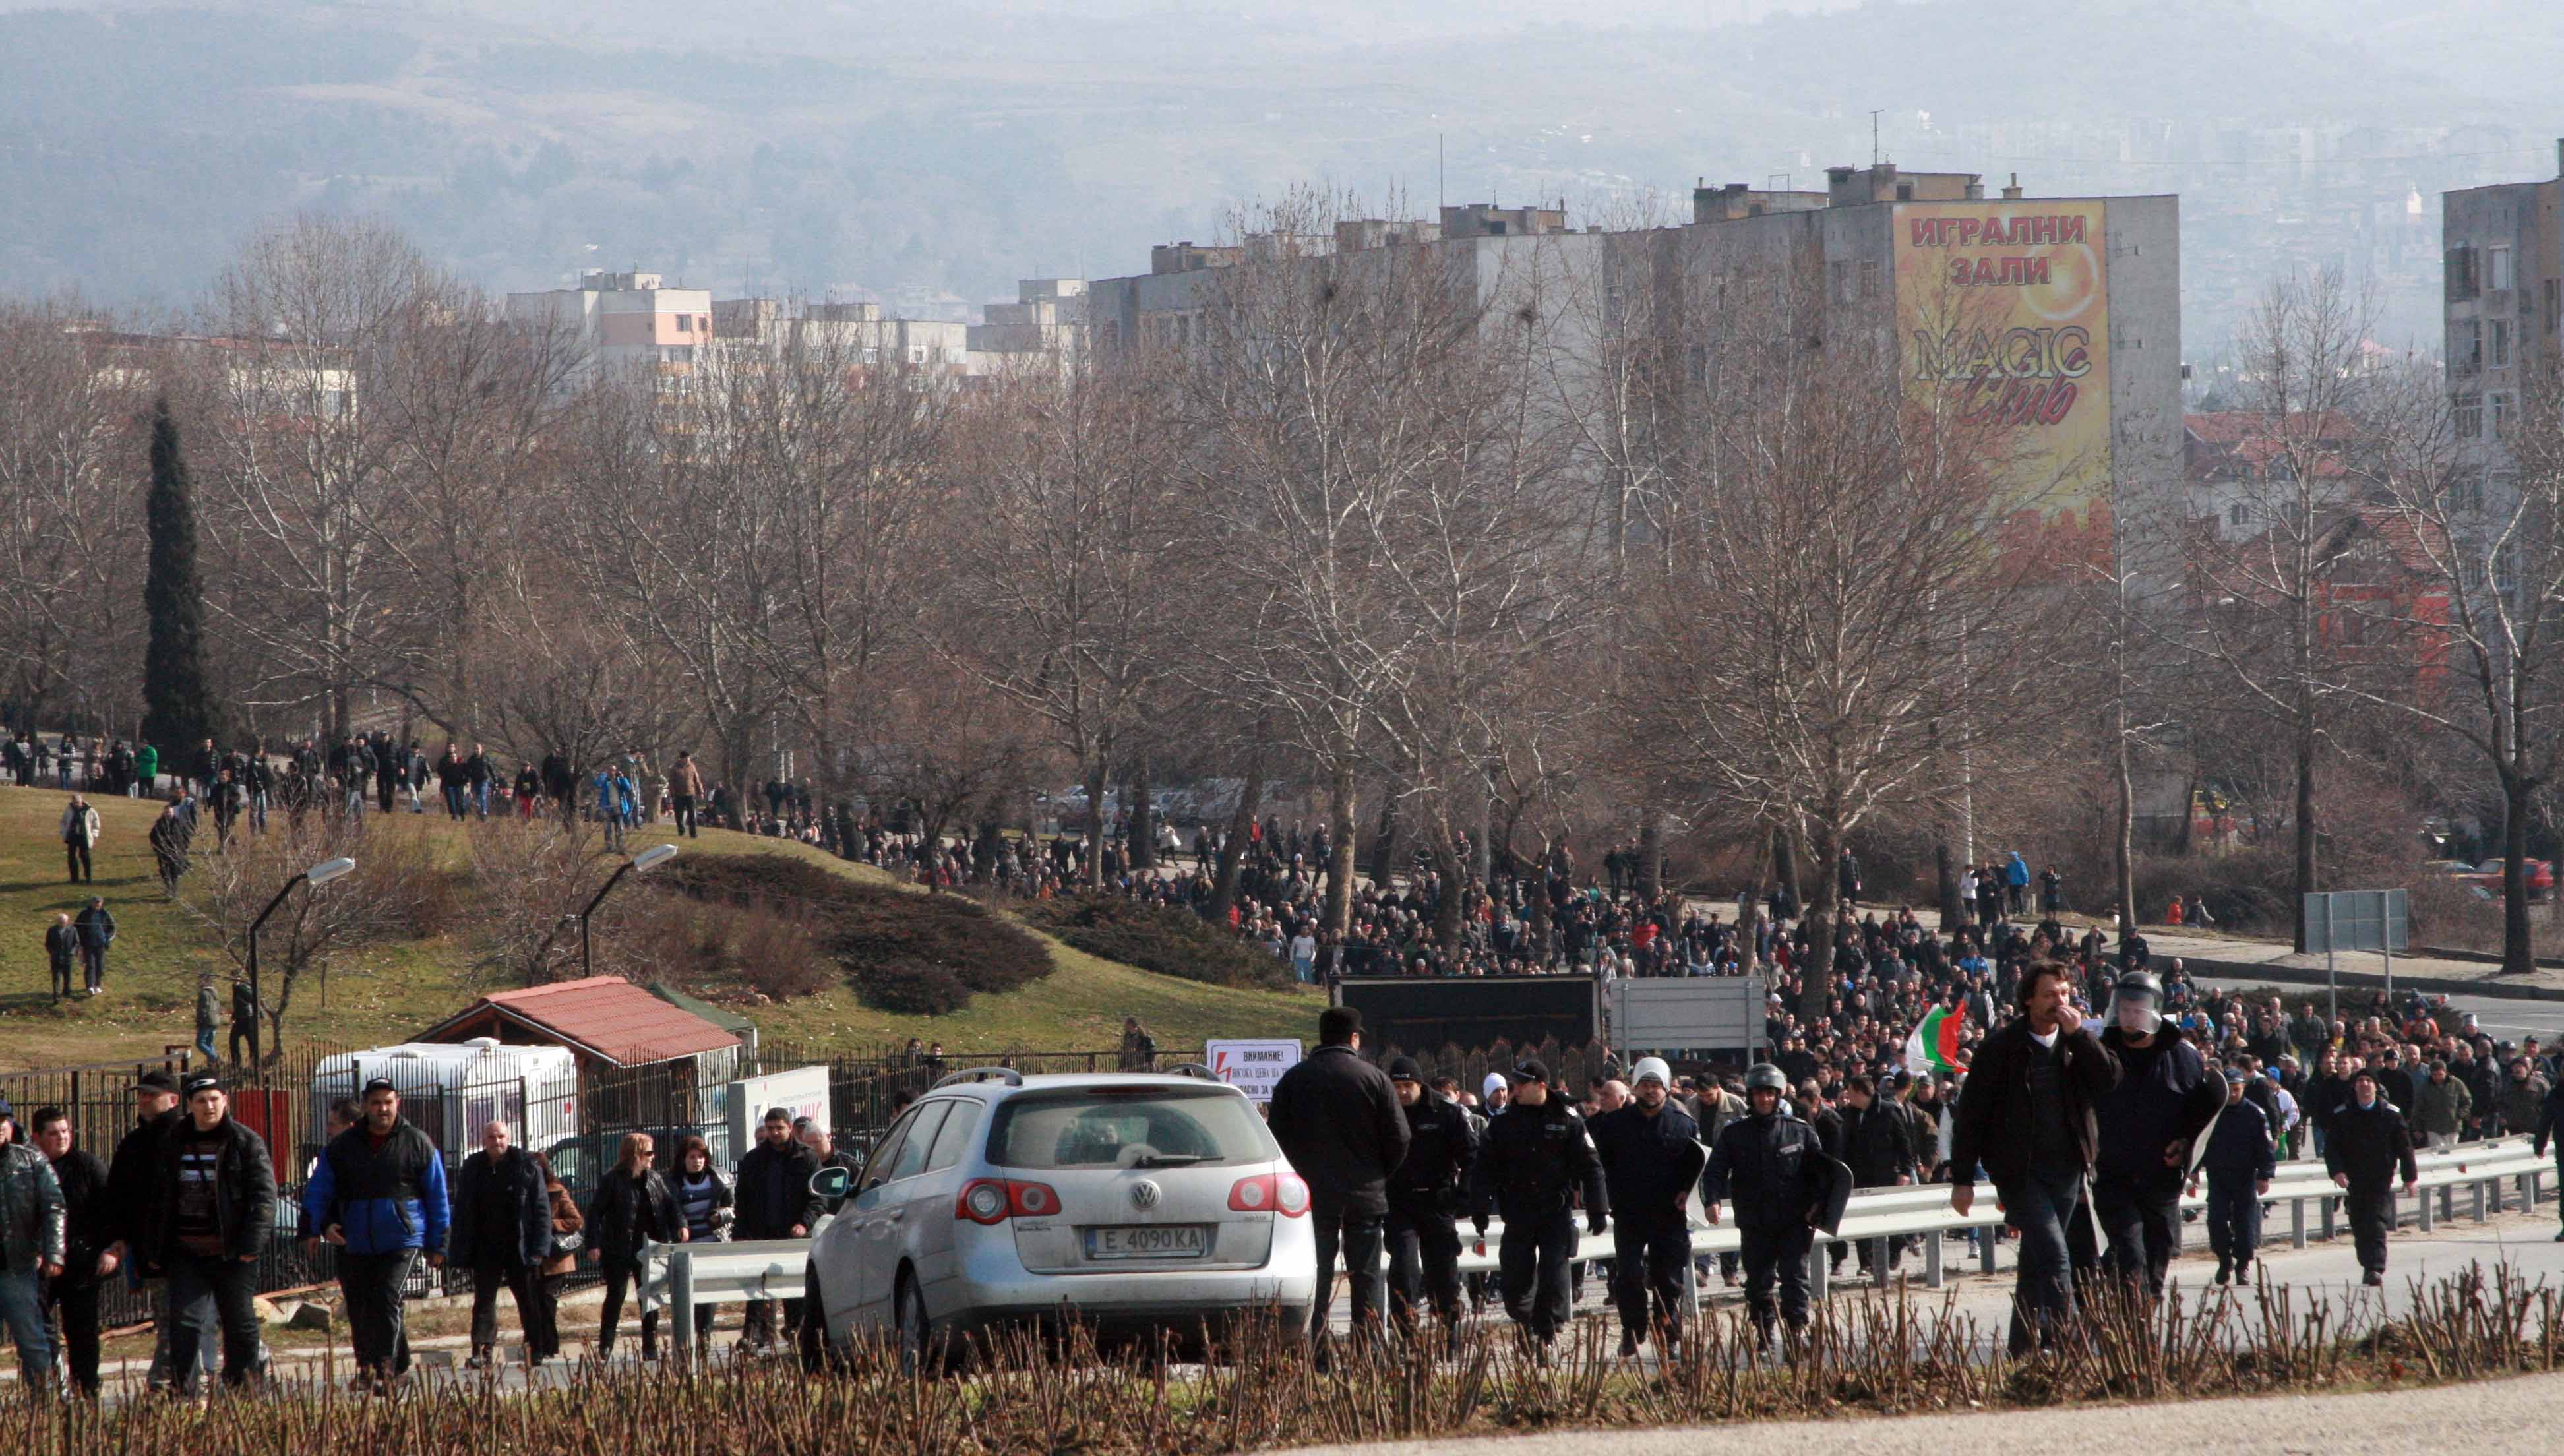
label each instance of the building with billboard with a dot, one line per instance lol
(2062, 315)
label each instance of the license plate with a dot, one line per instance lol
(1148, 1241)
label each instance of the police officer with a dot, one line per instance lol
(1423, 1197)
(1650, 1152)
(1773, 1166)
(2367, 1145)
(2240, 1162)
(1535, 1159)
(2165, 1097)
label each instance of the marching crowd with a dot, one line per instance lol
(2089, 1125)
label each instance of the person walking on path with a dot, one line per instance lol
(2239, 1161)
(632, 1207)
(2443, 1106)
(1339, 1122)
(216, 1208)
(87, 1234)
(2026, 1115)
(31, 1248)
(2369, 1144)
(686, 793)
(170, 834)
(1536, 1159)
(378, 1194)
(542, 1321)
(502, 1231)
(1771, 1164)
(97, 927)
(1649, 1151)
(772, 1200)
(1423, 1197)
(80, 831)
(2165, 1097)
(62, 951)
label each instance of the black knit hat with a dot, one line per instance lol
(1403, 1069)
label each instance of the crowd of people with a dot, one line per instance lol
(2091, 1125)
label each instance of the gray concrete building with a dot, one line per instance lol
(2503, 291)
(2061, 314)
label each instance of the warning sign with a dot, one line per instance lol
(1253, 1067)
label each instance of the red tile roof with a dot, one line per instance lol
(605, 1015)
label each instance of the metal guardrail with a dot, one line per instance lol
(680, 1277)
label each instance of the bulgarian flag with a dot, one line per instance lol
(1935, 1042)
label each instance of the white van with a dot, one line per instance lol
(452, 1090)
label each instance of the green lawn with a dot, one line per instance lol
(388, 992)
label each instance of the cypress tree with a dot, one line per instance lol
(178, 707)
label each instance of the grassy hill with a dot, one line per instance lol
(386, 992)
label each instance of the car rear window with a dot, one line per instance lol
(1102, 1127)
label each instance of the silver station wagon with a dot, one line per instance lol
(1132, 1203)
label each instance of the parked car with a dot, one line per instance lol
(1137, 1203)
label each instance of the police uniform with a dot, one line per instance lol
(1771, 1166)
(1424, 1196)
(1535, 1159)
(1647, 1163)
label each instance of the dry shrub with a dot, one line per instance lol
(903, 950)
(1173, 943)
(757, 947)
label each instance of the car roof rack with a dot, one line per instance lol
(1195, 1069)
(978, 1074)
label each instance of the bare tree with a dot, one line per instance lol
(69, 544)
(2261, 597)
(2478, 528)
(1058, 555)
(313, 926)
(301, 493)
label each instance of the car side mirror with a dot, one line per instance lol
(831, 1182)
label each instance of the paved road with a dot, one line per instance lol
(2505, 1018)
(2512, 1414)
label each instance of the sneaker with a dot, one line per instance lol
(2373, 1279)
(479, 1360)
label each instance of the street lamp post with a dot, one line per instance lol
(316, 877)
(655, 855)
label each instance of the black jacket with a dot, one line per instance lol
(1440, 1146)
(2240, 1145)
(133, 1186)
(2549, 1113)
(1993, 1117)
(627, 1211)
(2165, 1094)
(526, 1237)
(774, 1191)
(1773, 1167)
(87, 1228)
(1339, 1122)
(1647, 1161)
(2370, 1144)
(1534, 1159)
(1878, 1142)
(244, 1191)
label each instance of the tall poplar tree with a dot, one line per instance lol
(178, 706)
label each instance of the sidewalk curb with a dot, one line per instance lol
(2248, 971)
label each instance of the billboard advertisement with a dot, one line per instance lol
(2004, 307)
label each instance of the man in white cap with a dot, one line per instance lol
(1495, 1092)
(1651, 1156)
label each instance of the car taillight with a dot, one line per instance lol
(983, 1201)
(994, 1200)
(1282, 1194)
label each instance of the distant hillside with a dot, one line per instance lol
(932, 152)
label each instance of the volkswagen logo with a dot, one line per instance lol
(1143, 1194)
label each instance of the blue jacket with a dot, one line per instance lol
(2016, 873)
(2238, 1147)
(382, 1201)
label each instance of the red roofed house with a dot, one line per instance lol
(607, 1022)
